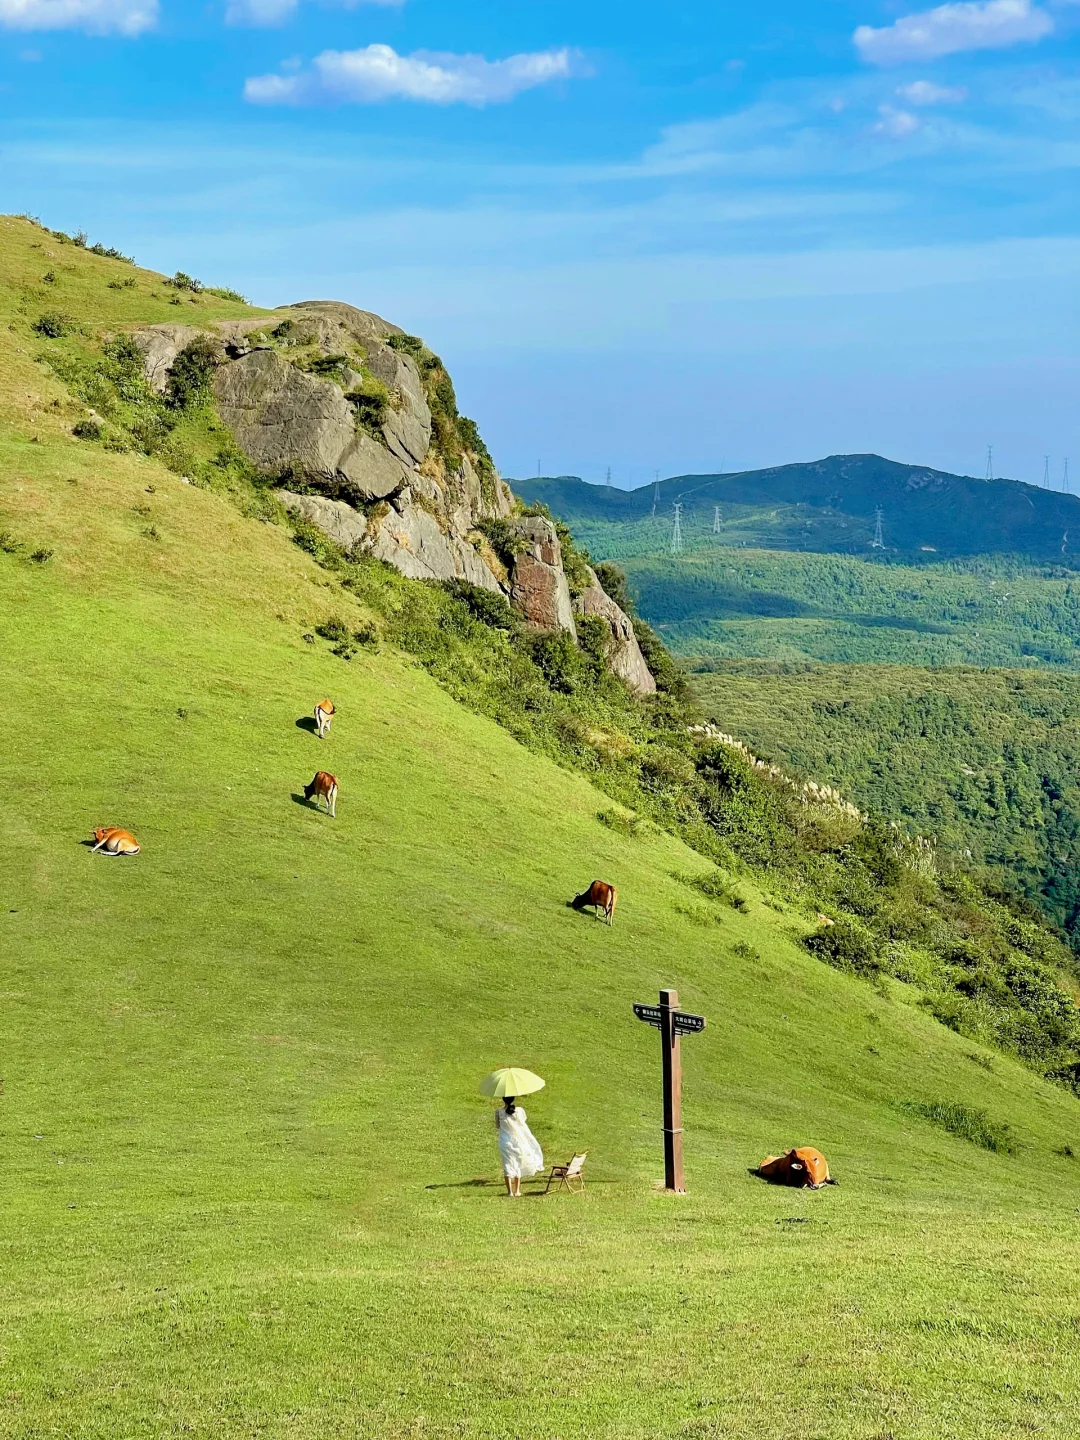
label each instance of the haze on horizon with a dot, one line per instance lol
(736, 237)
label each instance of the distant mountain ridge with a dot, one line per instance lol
(830, 506)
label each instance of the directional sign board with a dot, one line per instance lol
(688, 1024)
(684, 1024)
(649, 1013)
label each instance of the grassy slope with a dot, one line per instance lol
(239, 1111)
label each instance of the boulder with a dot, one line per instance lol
(624, 655)
(538, 586)
(410, 539)
(160, 345)
(344, 525)
(285, 419)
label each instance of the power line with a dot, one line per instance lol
(676, 534)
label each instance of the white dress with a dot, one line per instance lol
(519, 1148)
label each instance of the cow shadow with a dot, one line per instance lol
(302, 799)
(307, 722)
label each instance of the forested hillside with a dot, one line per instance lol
(771, 605)
(987, 761)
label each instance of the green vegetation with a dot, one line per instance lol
(985, 761)
(975, 1126)
(249, 1185)
(767, 605)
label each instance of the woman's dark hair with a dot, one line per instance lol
(509, 1103)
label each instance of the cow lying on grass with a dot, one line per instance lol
(601, 896)
(113, 841)
(324, 787)
(805, 1167)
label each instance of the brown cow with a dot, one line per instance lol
(804, 1166)
(323, 787)
(601, 896)
(113, 841)
(324, 714)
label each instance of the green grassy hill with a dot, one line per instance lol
(249, 1186)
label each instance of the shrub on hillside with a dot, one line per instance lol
(190, 378)
(966, 1122)
(557, 658)
(485, 605)
(53, 325)
(846, 945)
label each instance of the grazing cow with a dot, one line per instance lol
(323, 787)
(324, 715)
(113, 841)
(601, 896)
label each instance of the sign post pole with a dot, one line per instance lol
(672, 1023)
(672, 1072)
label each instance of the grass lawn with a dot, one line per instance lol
(248, 1184)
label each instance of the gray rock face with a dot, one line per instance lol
(537, 582)
(282, 417)
(624, 655)
(412, 541)
(344, 525)
(160, 345)
(408, 538)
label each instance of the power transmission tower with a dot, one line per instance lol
(609, 474)
(878, 542)
(676, 534)
(538, 467)
(1046, 472)
(1065, 477)
(655, 491)
(716, 520)
(989, 462)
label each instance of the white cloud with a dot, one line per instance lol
(968, 25)
(925, 92)
(896, 123)
(377, 73)
(99, 17)
(277, 12)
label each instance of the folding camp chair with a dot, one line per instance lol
(567, 1174)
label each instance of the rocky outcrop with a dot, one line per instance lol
(319, 398)
(159, 346)
(404, 534)
(291, 422)
(538, 585)
(344, 525)
(624, 652)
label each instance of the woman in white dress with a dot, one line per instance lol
(519, 1149)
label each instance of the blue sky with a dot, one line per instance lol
(677, 238)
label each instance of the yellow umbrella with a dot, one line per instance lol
(510, 1080)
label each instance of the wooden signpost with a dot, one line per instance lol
(672, 1023)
